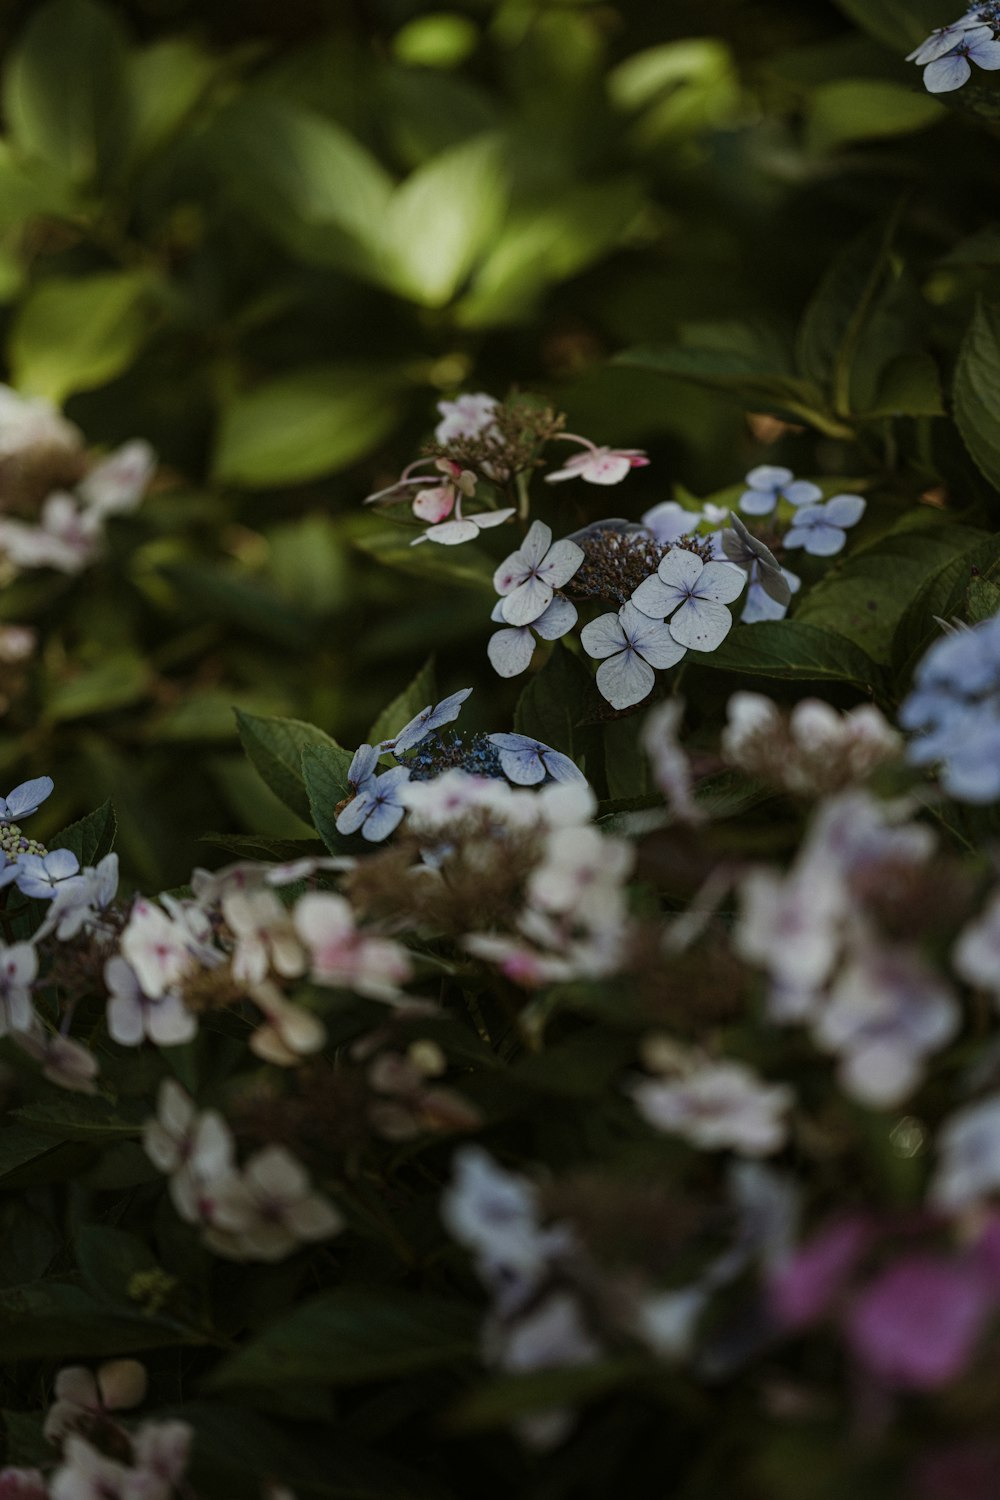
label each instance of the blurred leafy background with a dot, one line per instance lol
(270, 238)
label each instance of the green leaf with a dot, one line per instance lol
(222, 594)
(441, 220)
(74, 333)
(20, 1145)
(57, 1320)
(744, 362)
(108, 1259)
(82, 1118)
(90, 838)
(865, 598)
(166, 82)
(947, 593)
(256, 846)
(501, 1401)
(351, 1336)
(857, 109)
(983, 601)
(303, 178)
(552, 704)
(794, 651)
(834, 334)
(908, 386)
(977, 387)
(119, 680)
(470, 568)
(544, 246)
(415, 697)
(325, 769)
(299, 426)
(275, 748)
(65, 93)
(899, 24)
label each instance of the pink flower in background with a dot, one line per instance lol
(916, 1325)
(597, 465)
(816, 1275)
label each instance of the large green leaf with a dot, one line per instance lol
(299, 426)
(856, 109)
(58, 1320)
(351, 1336)
(275, 748)
(90, 838)
(977, 387)
(798, 652)
(73, 333)
(65, 93)
(866, 597)
(441, 220)
(324, 769)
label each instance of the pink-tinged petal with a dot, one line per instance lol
(510, 651)
(806, 1287)
(488, 518)
(449, 534)
(721, 582)
(529, 600)
(559, 618)
(561, 562)
(916, 1325)
(435, 504)
(701, 624)
(603, 636)
(625, 679)
(946, 74)
(606, 468)
(846, 510)
(655, 599)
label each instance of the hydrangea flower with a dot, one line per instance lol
(269, 1209)
(944, 38)
(25, 799)
(468, 416)
(528, 578)
(717, 1105)
(67, 538)
(39, 875)
(426, 721)
(33, 422)
(439, 496)
(597, 465)
(80, 901)
(526, 761)
(968, 1146)
(510, 650)
(766, 578)
(133, 1016)
(767, 484)
(375, 810)
(629, 645)
(81, 1393)
(18, 972)
(342, 956)
(954, 710)
(118, 482)
(694, 594)
(822, 529)
(264, 934)
(948, 70)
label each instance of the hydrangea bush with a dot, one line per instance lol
(580, 1069)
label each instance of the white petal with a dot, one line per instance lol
(536, 543)
(680, 568)
(657, 645)
(721, 582)
(625, 679)
(561, 563)
(701, 624)
(945, 74)
(560, 617)
(603, 636)
(528, 601)
(654, 598)
(510, 651)
(449, 533)
(608, 468)
(487, 518)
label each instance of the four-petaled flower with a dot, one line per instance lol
(597, 465)
(945, 73)
(375, 810)
(694, 594)
(629, 645)
(528, 579)
(526, 761)
(768, 484)
(425, 722)
(822, 529)
(510, 650)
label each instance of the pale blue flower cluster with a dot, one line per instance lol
(953, 712)
(948, 53)
(27, 864)
(376, 808)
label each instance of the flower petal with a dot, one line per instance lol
(603, 636)
(434, 504)
(383, 820)
(769, 477)
(701, 624)
(528, 601)
(561, 562)
(844, 510)
(946, 74)
(559, 618)
(757, 502)
(510, 651)
(680, 569)
(654, 598)
(449, 533)
(721, 582)
(656, 644)
(625, 679)
(802, 492)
